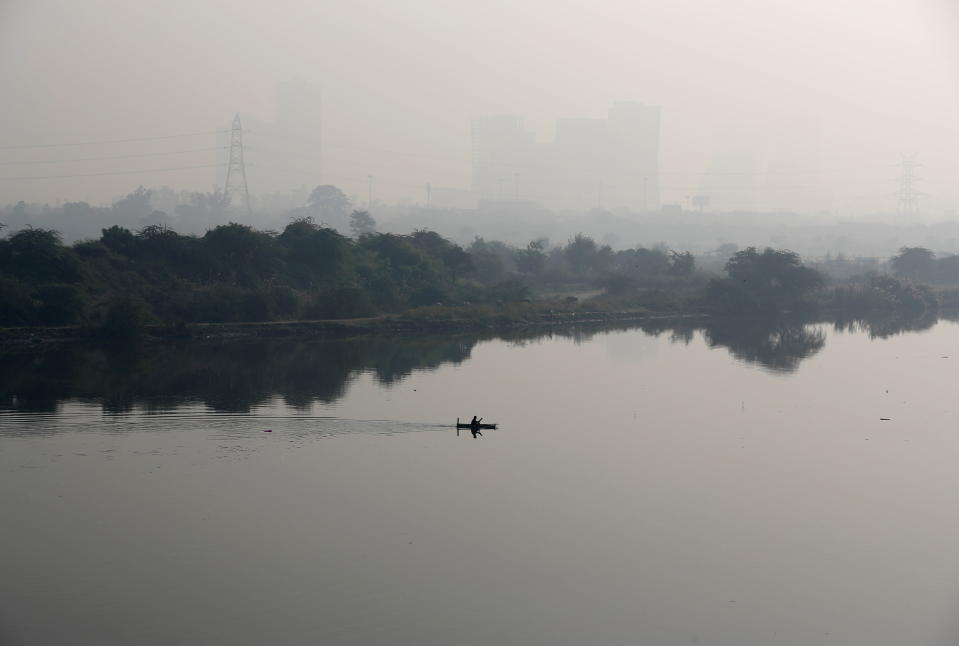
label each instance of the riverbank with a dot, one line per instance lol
(838, 303)
(415, 322)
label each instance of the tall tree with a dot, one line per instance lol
(135, 205)
(915, 263)
(330, 205)
(773, 279)
(580, 252)
(362, 223)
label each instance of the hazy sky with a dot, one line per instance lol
(851, 83)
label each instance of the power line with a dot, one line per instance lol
(123, 172)
(348, 178)
(569, 193)
(112, 141)
(312, 142)
(532, 186)
(532, 177)
(84, 159)
(540, 164)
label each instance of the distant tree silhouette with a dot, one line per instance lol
(914, 263)
(580, 252)
(76, 210)
(329, 205)
(531, 260)
(770, 280)
(643, 263)
(362, 223)
(727, 249)
(457, 261)
(210, 205)
(946, 270)
(681, 264)
(772, 270)
(135, 205)
(491, 260)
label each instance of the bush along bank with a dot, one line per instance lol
(309, 279)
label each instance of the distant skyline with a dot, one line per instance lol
(748, 88)
(587, 164)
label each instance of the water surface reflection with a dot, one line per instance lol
(236, 377)
(694, 481)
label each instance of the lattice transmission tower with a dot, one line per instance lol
(908, 193)
(236, 168)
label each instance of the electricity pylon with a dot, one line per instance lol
(236, 168)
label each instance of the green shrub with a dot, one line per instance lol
(429, 295)
(16, 304)
(283, 302)
(60, 304)
(508, 291)
(125, 319)
(340, 302)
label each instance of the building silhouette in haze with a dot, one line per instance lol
(612, 162)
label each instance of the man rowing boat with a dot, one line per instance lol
(475, 426)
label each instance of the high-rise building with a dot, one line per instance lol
(502, 150)
(611, 162)
(298, 107)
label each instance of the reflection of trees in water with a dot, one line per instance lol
(885, 326)
(235, 377)
(229, 377)
(776, 346)
(392, 360)
(681, 330)
(682, 335)
(32, 375)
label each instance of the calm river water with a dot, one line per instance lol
(731, 484)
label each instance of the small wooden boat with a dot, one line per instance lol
(482, 426)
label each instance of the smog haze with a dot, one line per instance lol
(818, 99)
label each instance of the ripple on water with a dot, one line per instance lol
(74, 417)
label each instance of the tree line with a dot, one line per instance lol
(310, 270)
(234, 272)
